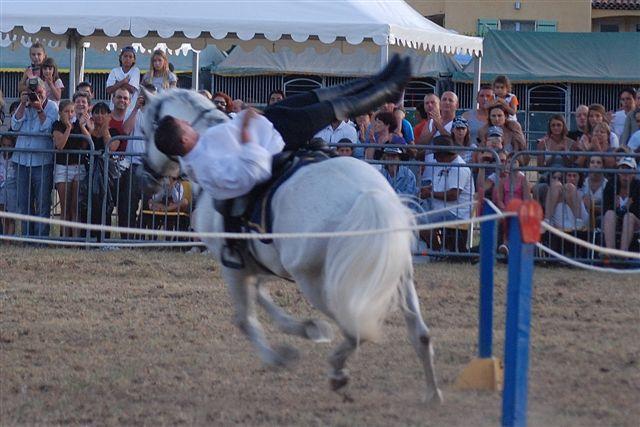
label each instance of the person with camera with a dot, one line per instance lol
(34, 170)
(37, 55)
(621, 204)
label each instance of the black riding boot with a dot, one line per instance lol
(233, 250)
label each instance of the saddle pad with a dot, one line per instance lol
(260, 214)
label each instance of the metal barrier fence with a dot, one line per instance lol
(584, 198)
(107, 191)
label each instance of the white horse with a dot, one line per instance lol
(355, 281)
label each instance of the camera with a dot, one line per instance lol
(621, 211)
(33, 97)
(32, 84)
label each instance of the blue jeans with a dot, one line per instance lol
(33, 187)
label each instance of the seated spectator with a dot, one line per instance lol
(52, 81)
(8, 194)
(621, 204)
(563, 207)
(275, 95)
(593, 187)
(126, 76)
(384, 127)
(170, 198)
(555, 142)
(461, 138)
(69, 170)
(445, 184)
(600, 142)
(512, 138)
(627, 98)
(34, 170)
(581, 123)
(441, 113)
(400, 177)
(404, 128)
(338, 130)
(223, 102)
(597, 114)
(345, 151)
(159, 74)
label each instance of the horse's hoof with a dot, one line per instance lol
(284, 356)
(434, 398)
(318, 330)
(338, 381)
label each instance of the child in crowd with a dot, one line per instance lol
(52, 82)
(159, 75)
(127, 75)
(8, 195)
(37, 54)
(344, 150)
(502, 194)
(502, 91)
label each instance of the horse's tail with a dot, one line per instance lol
(363, 274)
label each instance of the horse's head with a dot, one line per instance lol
(180, 103)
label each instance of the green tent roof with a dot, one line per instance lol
(532, 57)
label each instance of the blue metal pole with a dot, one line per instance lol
(518, 323)
(487, 261)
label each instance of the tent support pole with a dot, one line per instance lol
(195, 69)
(384, 55)
(82, 53)
(477, 72)
(73, 78)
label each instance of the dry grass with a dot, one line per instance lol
(109, 338)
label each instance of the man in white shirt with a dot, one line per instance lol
(441, 118)
(628, 104)
(337, 130)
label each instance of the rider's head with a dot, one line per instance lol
(175, 137)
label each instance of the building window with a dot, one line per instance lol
(609, 28)
(507, 25)
(637, 28)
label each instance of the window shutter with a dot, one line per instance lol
(485, 25)
(547, 26)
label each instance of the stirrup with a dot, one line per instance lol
(231, 257)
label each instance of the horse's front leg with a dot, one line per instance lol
(316, 330)
(243, 290)
(421, 340)
(339, 376)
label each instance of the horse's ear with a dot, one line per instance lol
(147, 95)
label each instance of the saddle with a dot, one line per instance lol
(253, 211)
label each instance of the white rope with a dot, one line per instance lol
(98, 244)
(248, 236)
(583, 265)
(445, 209)
(580, 242)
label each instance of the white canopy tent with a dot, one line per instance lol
(298, 24)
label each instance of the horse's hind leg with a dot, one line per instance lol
(314, 329)
(243, 291)
(421, 340)
(339, 376)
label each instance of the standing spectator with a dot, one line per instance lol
(627, 105)
(383, 133)
(88, 89)
(504, 97)
(52, 81)
(404, 129)
(513, 137)
(441, 118)
(621, 204)
(460, 135)
(131, 190)
(337, 130)
(363, 129)
(159, 75)
(223, 102)
(8, 195)
(630, 124)
(69, 170)
(34, 171)
(581, 114)
(479, 117)
(431, 104)
(400, 177)
(275, 95)
(126, 76)
(37, 54)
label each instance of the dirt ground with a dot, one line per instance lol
(125, 337)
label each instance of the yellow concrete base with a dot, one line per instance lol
(481, 374)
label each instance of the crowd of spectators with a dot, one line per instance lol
(453, 156)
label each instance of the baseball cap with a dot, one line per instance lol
(393, 150)
(627, 161)
(460, 122)
(495, 131)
